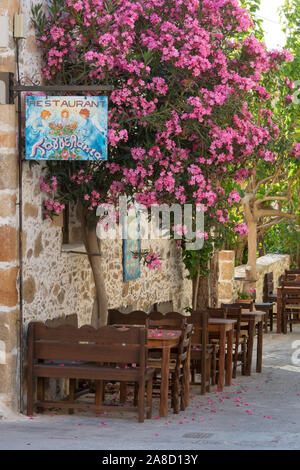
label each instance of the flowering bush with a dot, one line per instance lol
(179, 121)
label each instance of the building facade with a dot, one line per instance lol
(54, 283)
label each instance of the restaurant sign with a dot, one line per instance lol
(66, 128)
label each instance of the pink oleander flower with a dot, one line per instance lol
(241, 228)
(152, 261)
(234, 196)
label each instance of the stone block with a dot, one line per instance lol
(29, 290)
(225, 291)
(226, 255)
(8, 243)
(30, 210)
(226, 271)
(8, 286)
(8, 171)
(7, 205)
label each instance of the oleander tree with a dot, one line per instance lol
(180, 126)
(270, 198)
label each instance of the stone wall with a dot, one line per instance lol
(265, 264)
(9, 308)
(57, 284)
(226, 275)
(231, 279)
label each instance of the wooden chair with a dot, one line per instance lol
(268, 288)
(178, 369)
(290, 304)
(240, 341)
(101, 354)
(244, 305)
(203, 353)
(216, 312)
(268, 308)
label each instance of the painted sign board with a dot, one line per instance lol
(66, 127)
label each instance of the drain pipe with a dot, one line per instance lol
(20, 204)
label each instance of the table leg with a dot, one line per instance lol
(228, 375)
(250, 346)
(259, 346)
(164, 387)
(222, 358)
(279, 307)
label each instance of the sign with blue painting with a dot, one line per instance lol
(66, 127)
(131, 246)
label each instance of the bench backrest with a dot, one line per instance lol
(137, 317)
(87, 344)
(169, 321)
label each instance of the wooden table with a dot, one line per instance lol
(254, 319)
(165, 340)
(225, 330)
(281, 328)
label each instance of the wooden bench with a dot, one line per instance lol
(103, 354)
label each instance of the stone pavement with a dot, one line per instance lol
(257, 412)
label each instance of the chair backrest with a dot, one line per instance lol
(87, 344)
(244, 305)
(171, 321)
(268, 286)
(166, 323)
(292, 277)
(291, 283)
(200, 322)
(290, 294)
(292, 271)
(137, 317)
(234, 311)
(216, 312)
(185, 343)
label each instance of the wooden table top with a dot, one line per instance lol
(214, 324)
(221, 321)
(159, 338)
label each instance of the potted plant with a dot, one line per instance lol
(246, 296)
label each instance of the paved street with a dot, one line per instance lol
(257, 412)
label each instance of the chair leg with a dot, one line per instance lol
(271, 320)
(214, 367)
(244, 358)
(149, 398)
(99, 389)
(72, 388)
(40, 392)
(175, 394)
(235, 360)
(208, 373)
(123, 392)
(135, 396)
(141, 401)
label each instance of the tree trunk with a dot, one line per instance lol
(92, 245)
(251, 272)
(239, 255)
(203, 294)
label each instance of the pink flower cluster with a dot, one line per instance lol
(179, 123)
(53, 208)
(241, 228)
(153, 261)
